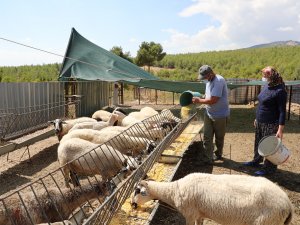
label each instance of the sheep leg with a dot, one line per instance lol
(66, 173)
(74, 179)
(190, 221)
(199, 221)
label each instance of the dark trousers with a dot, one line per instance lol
(262, 130)
(213, 128)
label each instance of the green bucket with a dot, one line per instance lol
(187, 96)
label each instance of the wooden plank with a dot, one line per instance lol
(7, 148)
(11, 146)
(37, 138)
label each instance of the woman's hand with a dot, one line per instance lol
(279, 133)
(254, 123)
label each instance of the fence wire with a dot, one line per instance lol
(20, 121)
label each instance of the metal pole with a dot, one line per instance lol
(173, 98)
(290, 101)
(139, 89)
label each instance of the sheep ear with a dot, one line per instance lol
(143, 183)
(125, 163)
(124, 169)
(51, 122)
(137, 190)
(138, 159)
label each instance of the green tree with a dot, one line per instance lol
(148, 54)
(119, 52)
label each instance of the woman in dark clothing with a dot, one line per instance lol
(270, 116)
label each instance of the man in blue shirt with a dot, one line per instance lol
(217, 112)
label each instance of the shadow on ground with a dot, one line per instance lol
(17, 175)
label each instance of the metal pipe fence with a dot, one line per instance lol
(96, 192)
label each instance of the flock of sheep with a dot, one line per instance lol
(107, 145)
(111, 144)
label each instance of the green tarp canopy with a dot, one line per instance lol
(86, 61)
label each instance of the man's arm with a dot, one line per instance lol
(208, 101)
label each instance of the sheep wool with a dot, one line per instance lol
(103, 160)
(226, 199)
(124, 143)
(101, 115)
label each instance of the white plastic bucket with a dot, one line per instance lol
(272, 149)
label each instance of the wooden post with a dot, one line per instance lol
(155, 97)
(122, 93)
(173, 98)
(139, 90)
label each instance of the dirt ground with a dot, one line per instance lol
(18, 171)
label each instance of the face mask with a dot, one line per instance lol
(264, 79)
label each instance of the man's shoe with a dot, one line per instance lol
(252, 163)
(217, 157)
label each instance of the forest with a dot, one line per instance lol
(241, 63)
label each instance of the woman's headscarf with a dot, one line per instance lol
(273, 76)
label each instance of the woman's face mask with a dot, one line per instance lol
(264, 79)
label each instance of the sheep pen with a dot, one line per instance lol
(238, 148)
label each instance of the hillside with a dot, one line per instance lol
(277, 44)
(241, 63)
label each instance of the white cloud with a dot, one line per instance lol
(133, 40)
(285, 29)
(240, 24)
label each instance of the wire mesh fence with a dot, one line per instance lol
(97, 178)
(19, 121)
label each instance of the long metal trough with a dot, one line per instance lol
(92, 199)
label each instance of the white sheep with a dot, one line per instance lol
(144, 113)
(95, 125)
(124, 143)
(151, 118)
(56, 204)
(139, 130)
(86, 158)
(226, 199)
(62, 127)
(101, 115)
(121, 116)
(168, 115)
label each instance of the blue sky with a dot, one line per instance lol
(180, 26)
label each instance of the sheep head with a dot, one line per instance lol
(58, 125)
(140, 195)
(118, 109)
(120, 116)
(150, 147)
